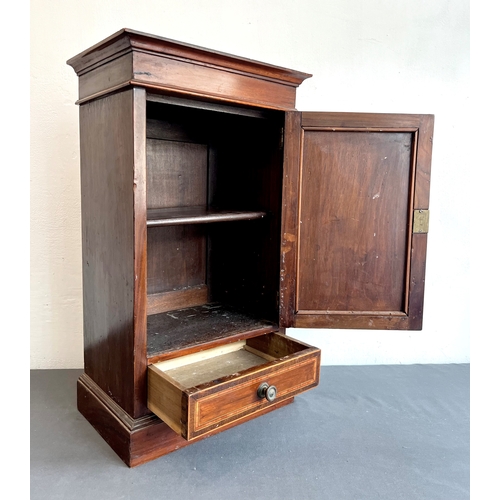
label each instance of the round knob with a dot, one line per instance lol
(267, 391)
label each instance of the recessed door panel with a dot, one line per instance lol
(350, 257)
(353, 228)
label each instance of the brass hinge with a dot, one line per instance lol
(421, 221)
(282, 138)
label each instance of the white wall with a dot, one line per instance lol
(406, 56)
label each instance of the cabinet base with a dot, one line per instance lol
(136, 440)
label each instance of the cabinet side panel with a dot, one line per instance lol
(176, 177)
(140, 254)
(117, 72)
(107, 184)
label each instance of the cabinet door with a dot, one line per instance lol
(354, 232)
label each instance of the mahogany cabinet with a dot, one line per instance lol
(214, 216)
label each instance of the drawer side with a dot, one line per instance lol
(165, 398)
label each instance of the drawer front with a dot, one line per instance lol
(226, 403)
(193, 409)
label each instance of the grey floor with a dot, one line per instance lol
(367, 432)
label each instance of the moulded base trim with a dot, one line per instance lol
(135, 440)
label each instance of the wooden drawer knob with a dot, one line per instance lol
(267, 391)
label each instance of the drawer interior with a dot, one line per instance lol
(205, 366)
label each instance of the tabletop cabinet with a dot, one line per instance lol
(214, 216)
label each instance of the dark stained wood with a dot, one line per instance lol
(176, 174)
(177, 299)
(136, 441)
(353, 224)
(215, 106)
(416, 299)
(243, 268)
(423, 173)
(108, 418)
(176, 257)
(112, 77)
(124, 39)
(289, 218)
(140, 253)
(113, 266)
(197, 215)
(238, 274)
(213, 81)
(419, 241)
(239, 187)
(277, 345)
(131, 57)
(353, 321)
(176, 177)
(176, 333)
(174, 123)
(373, 121)
(359, 179)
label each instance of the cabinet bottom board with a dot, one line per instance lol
(175, 331)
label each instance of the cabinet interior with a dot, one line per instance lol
(213, 192)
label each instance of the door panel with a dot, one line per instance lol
(357, 220)
(349, 255)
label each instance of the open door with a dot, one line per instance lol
(355, 216)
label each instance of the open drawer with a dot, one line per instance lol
(211, 389)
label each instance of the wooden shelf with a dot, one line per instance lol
(173, 333)
(197, 215)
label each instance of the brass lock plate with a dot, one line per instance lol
(421, 221)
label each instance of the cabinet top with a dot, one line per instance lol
(147, 53)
